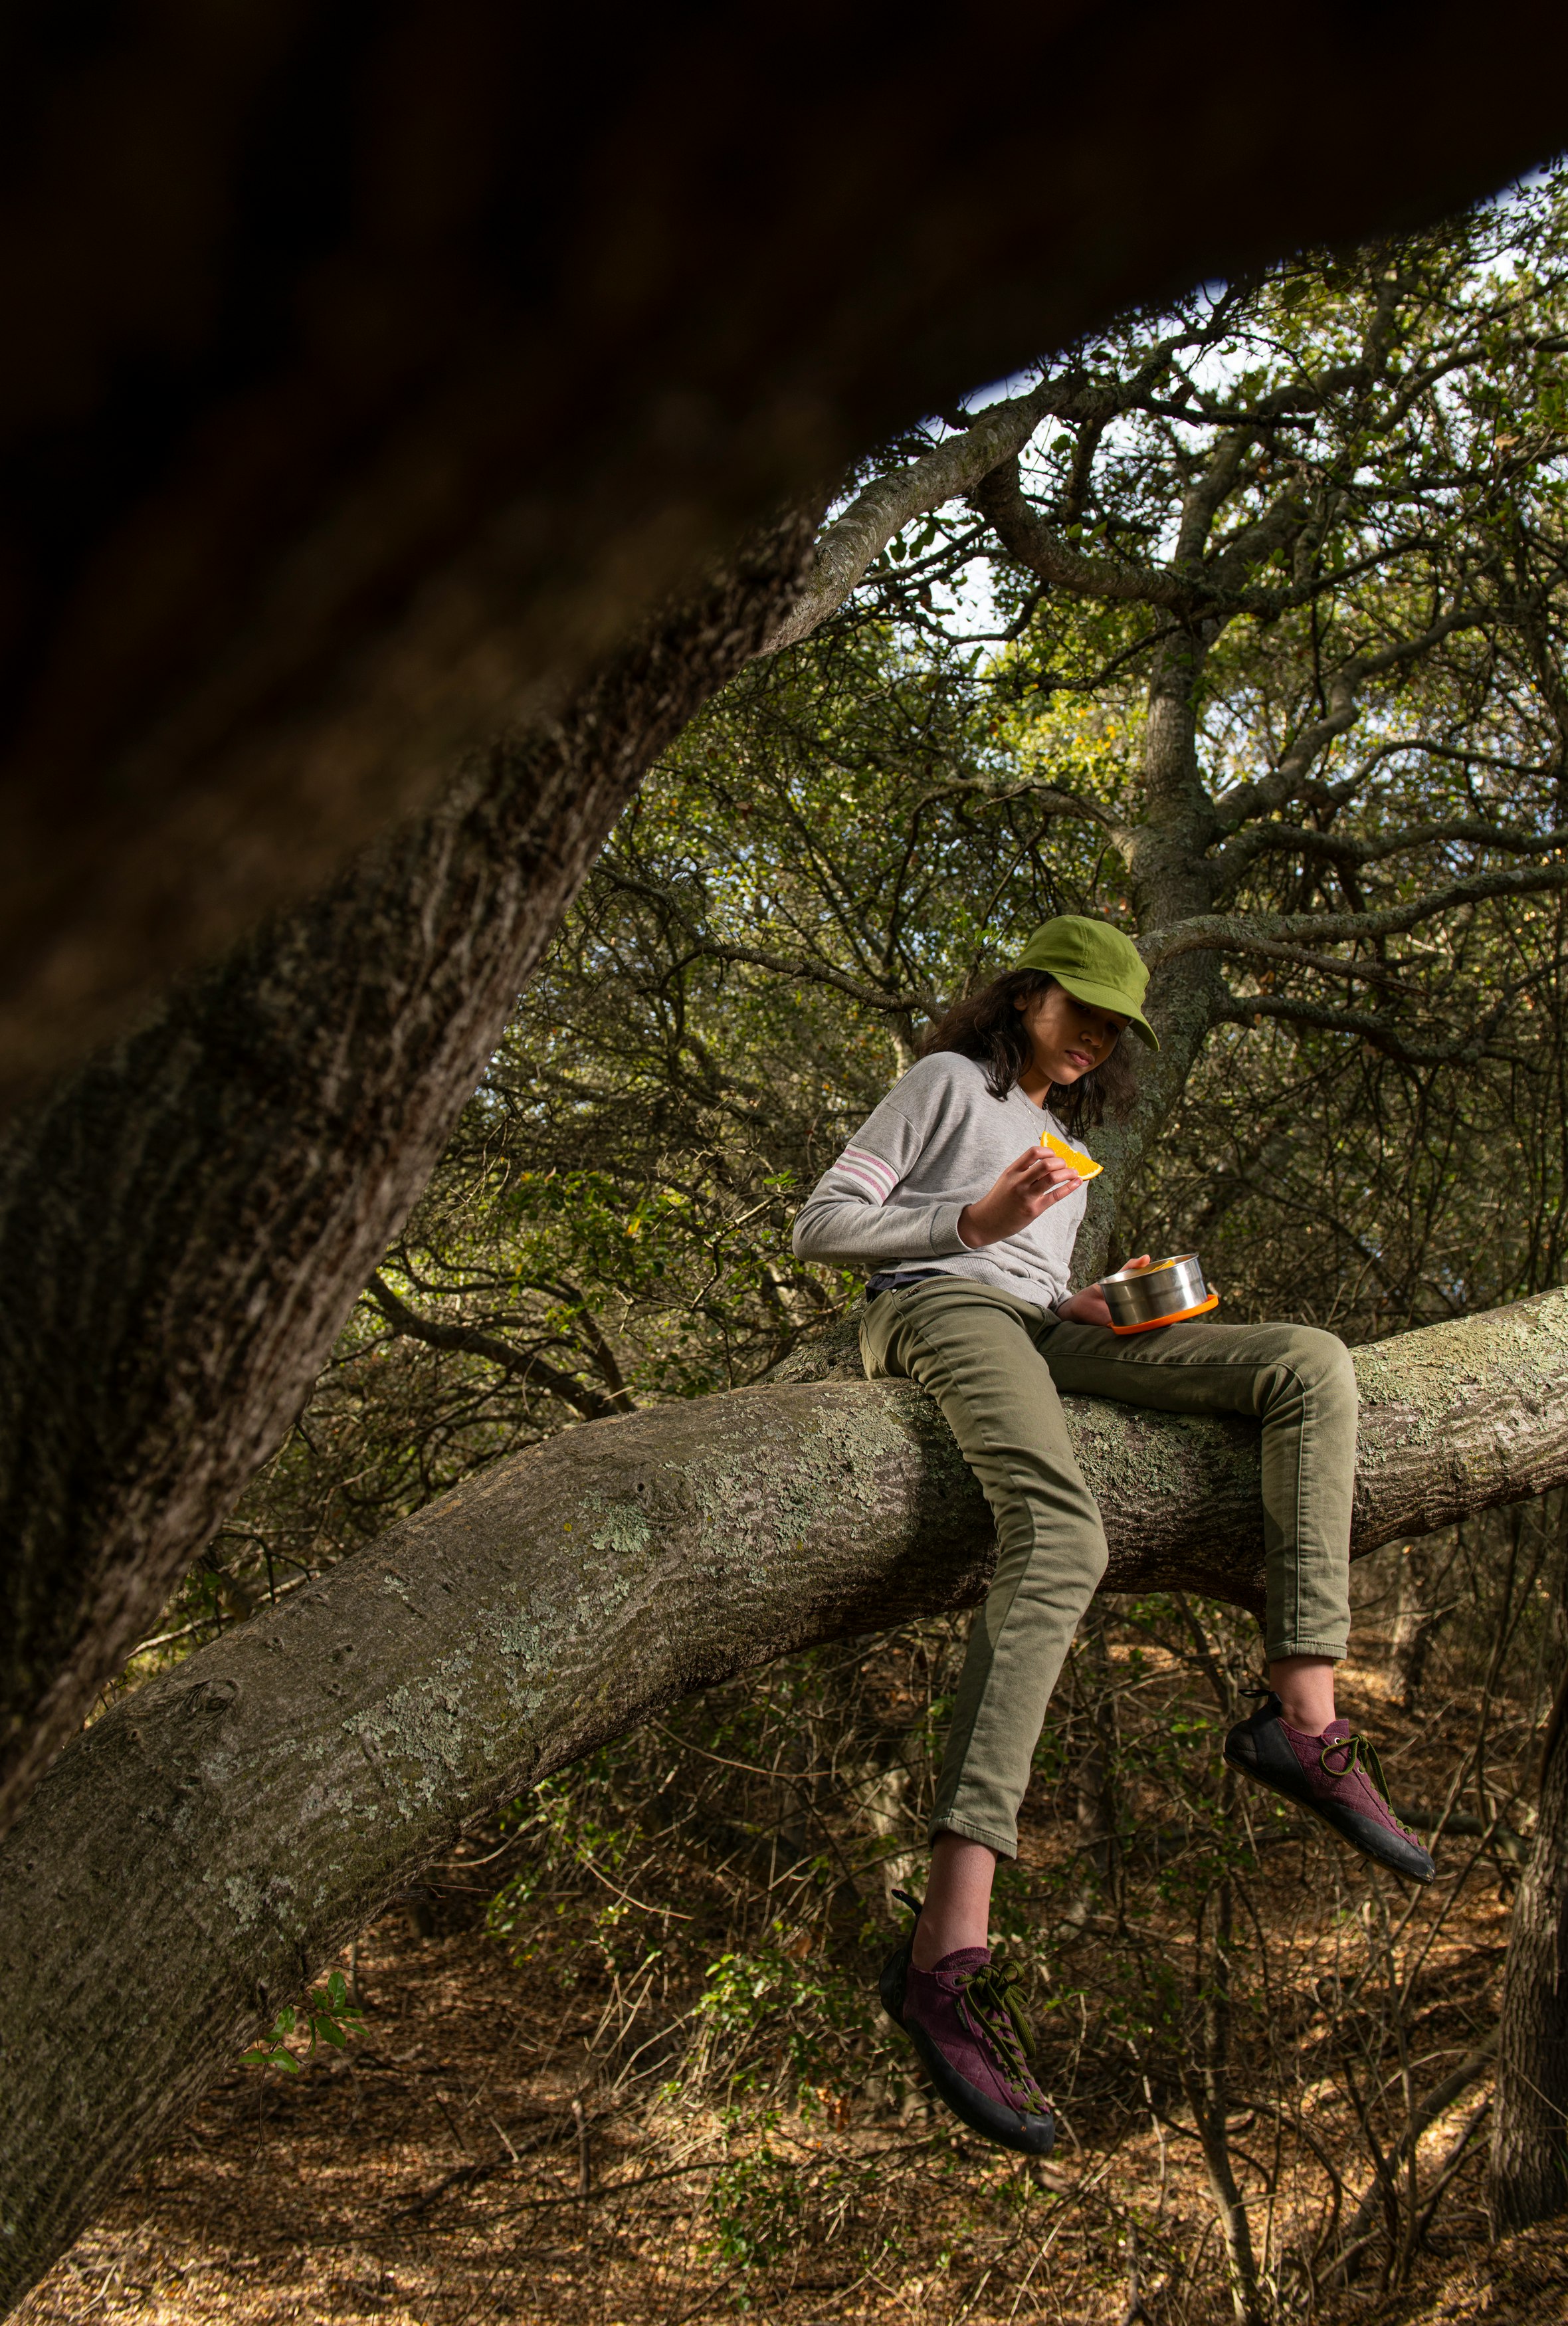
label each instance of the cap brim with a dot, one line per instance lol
(1105, 997)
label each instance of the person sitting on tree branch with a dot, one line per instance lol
(966, 1221)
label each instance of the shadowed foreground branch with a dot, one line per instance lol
(188, 1863)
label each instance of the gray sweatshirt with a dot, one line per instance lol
(940, 1140)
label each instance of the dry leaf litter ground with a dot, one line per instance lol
(438, 2171)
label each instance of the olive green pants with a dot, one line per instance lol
(995, 1366)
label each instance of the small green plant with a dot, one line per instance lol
(779, 2018)
(326, 2012)
(756, 2204)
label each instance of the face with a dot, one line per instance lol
(1070, 1038)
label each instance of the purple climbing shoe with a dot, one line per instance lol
(1337, 1776)
(963, 2020)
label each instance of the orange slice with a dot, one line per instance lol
(1084, 1165)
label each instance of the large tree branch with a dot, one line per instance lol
(1259, 933)
(210, 1842)
(213, 1191)
(1345, 848)
(852, 544)
(1040, 550)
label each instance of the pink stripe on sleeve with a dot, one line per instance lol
(884, 1174)
(863, 1178)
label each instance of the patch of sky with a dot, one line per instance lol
(965, 602)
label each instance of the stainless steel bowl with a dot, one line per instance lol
(1155, 1295)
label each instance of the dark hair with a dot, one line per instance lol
(989, 1026)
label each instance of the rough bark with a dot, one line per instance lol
(1528, 2176)
(852, 544)
(372, 369)
(193, 1857)
(185, 1223)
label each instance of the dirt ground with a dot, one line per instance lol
(435, 2174)
(471, 2157)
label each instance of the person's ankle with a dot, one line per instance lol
(1304, 1685)
(1299, 1720)
(933, 1943)
(958, 1899)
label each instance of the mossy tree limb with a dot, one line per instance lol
(193, 1859)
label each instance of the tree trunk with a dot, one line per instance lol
(1207, 2085)
(189, 1862)
(185, 1224)
(1421, 1575)
(1529, 2177)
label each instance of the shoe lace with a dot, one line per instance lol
(1361, 1756)
(989, 2008)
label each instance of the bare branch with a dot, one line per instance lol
(703, 947)
(818, 973)
(1047, 797)
(1343, 848)
(1246, 1009)
(853, 542)
(589, 1402)
(1228, 933)
(1514, 766)
(1355, 971)
(1243, 801)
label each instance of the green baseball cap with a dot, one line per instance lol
(1095, 964)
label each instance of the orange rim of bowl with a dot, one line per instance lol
(1177, 1317)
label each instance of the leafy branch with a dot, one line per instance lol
(327, 2015)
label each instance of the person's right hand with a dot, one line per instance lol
(1026, 1188)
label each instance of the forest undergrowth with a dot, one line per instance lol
(622, 2058)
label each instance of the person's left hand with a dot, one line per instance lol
(1087, 1307)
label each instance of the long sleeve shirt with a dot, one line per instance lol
(940, 1140)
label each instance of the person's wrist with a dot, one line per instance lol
(967, 1234)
